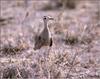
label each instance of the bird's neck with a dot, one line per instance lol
(46, 28)
(45, 24)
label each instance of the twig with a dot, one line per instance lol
(72, 64)
(19, 74)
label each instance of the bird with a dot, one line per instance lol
(44, 38)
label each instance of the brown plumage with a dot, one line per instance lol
(44, 38)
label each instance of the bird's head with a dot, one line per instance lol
(46, 18)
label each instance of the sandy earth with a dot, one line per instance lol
(21, 20)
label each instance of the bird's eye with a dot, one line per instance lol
(44, 17)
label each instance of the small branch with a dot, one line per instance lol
(72, 64)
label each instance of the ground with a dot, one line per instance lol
(75, 30)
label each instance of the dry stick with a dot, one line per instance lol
(62, 11)
(72, 63)
(49, 76)
(1, 76)
(19, 73)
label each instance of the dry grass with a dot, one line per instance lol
(75, 32)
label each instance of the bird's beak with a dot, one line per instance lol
(51, 18)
